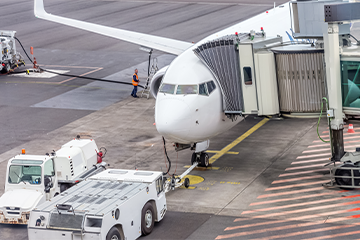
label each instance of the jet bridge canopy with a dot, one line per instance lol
(232, 62)
(221, 57)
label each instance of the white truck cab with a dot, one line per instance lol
(113, 204)
(33, 179)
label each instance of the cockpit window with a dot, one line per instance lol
(187, 89)
(210, 86)
(202, 89)
(167, 88)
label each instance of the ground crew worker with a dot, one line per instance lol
(135, 82)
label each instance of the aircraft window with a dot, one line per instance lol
(167, 88)
(202, 90)
(210, 86)
(187, 89)
(247, 76)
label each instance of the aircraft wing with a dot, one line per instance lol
(154, 42)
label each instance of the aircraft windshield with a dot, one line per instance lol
(167, 88)
(26, 174)
(187, 89)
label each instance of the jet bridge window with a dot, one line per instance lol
(187, 89)
(167, 88)
(210, 86)
(247, 76)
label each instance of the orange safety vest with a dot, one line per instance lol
(134, 82)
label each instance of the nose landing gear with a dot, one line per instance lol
(202, 158)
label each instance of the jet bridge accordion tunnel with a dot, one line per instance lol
(257, 79)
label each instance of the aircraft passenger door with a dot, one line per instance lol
(248, 82)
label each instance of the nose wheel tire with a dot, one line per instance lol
(147, 219)
(204, 159)
(344, 176)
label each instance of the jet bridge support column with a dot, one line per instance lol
(333, 76)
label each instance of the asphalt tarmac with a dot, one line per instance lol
(269, 187)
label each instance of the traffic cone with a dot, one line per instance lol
(351, 129)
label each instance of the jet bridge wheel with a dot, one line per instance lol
(147, 219)
(346, 180)
(113, 234)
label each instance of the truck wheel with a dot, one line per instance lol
(113, 234)
(147, 219)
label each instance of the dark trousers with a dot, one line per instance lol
(134, 91)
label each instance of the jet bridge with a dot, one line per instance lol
(236, 61)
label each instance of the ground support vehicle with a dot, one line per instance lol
(33, 179)
(9, 57)
(114, 204)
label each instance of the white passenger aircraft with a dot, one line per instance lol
(188, 108)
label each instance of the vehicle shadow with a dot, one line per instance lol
(9, 231)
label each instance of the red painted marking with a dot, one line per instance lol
(352, 137)
(294, 198)
(296, 185)
(296, 205)
(310, 161)
(319, 145)
(304, 172)
(290, 192)
(297, 179)
(295, 218)
(329, 149)
(306, 232)
(314, 155)
(283, 228)
(322, 145)
(306, 209)
(358, 128)
(317, 150)
(335, 235)
(307, 166)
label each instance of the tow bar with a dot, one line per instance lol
(175, 181)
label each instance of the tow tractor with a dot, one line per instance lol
(33, 179)
(9, 56)
(114, 204)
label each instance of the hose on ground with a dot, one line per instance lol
(70, 75)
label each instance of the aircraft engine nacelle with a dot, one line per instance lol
(156, 81)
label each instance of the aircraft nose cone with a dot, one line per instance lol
(172, 119)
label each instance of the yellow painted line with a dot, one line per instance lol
(237, 141)
(203, 168)
(212, 151)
